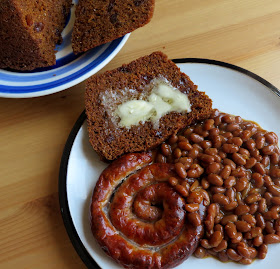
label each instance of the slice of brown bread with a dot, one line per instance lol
(105, 92)
(29, 31)
(100, 21)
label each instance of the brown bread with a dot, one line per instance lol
(29, 31)
(100, 21)
(106, 91)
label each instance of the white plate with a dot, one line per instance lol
(232, 89)
(69, 70)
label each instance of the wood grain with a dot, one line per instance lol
(33, 131)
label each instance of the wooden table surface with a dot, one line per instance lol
(33, 131)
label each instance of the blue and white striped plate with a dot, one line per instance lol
(68, 71)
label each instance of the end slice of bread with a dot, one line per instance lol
(107, 91)
(101, 21)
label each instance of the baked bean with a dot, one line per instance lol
(265, 161)
(225, 172)
(245, 135)
(186, 161)
(239, 198)
(160, 158)
(218, 119)
(233, 255)
(237, 132)
(195, 171)
(206, 158)
(228, 118)
(200, 252)
(222, 154)
(237, 238)
(208, 124)
(258, 180)
(246, 261)
(244, 152)
(230, 148)
(222, 256)
(173, 181)
(252, 198)
(195, 197)
(229, 218)
(253, 208)
(258, 240)
(270, 215)
(237, 141)
(222, 246)
(228, 136)
(242, 226)
(218, 218)
(182, 138)
(182, 190)
(194, 219)
(230, 193)
(173, 139)
(271, 138)
(238, 159)
(246, 252)
(271, 239)
(275, 200)
(250, 163)
(232, 127)
(216, 238)
(196, 138)
(197, 146)
(213, 132)
(193, 153)
(204, 243)
(274, 190)
(205, 184)
(262, 251)
(215, 189)
(256, 154)
(260, 141)
(180, 170)
(274, 158)
(177, 153)
(250, 144)
(230, 206)
(274, 171)
(267, 181)
(219, 227)
(250, 219)
(213, 168)
(230, 182)
(184, 145)
(215, 179)
(192, 207)
(211, 151)
(268, 150)
(186, 185)
(217, 141)
(260, 221)
(220, 199)
(165, 149)
(206, 144)
(259, 168)
(241, 184)
(241, 210)
(230, 229)
(209, 222)
(217, 158)
(230, 163)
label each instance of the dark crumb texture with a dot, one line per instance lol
(107, 137)
(101, 21)
(29, 31)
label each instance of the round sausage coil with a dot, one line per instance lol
(138, 218)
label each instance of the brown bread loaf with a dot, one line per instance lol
(105, 92)
(100, 21)
(29, 31)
